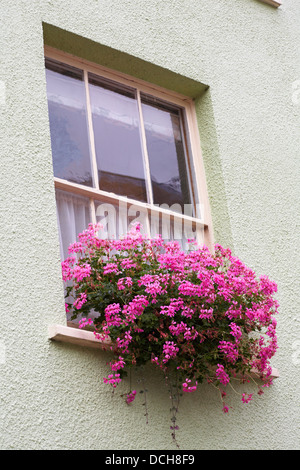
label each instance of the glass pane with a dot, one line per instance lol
(68, 123)
(117, 139)
(73, 215)
(166, 152)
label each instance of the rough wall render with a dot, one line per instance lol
(52, 396)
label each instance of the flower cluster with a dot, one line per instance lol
(112, 379)
(202, 316)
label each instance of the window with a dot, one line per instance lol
(123, 152)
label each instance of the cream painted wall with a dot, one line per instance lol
(52, 395)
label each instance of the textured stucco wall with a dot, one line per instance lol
(51, 395)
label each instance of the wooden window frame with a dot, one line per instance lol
(193, 139)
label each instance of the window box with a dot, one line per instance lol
(67, 334)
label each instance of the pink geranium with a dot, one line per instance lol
(191, 314)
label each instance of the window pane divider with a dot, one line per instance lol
(91, 130)
(145, 151)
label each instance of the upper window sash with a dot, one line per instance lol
(183, 104)
(138, 140)
(194, 163)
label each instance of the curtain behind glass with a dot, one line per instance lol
(73, 215)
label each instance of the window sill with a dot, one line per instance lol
(68, 334)
(273, 3)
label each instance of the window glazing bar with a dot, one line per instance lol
(145, 151)
(91, 132)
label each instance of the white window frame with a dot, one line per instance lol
(194, 157)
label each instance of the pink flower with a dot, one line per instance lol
(124, 281)
(112, 316)
(80, 301)
(246, 398)
(135, 308)
(170, 350)
(175, 306)
(127, 263)
(81, 271)
(110, 268)
(117, 364)
(130, 397)
(75, 247)
(67, 270)
(236, 332)
(229, 350)
(189, 388)
(84, 322)
(206, 313)
(221, 375)
(112, 380)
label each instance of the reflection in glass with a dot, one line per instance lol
(117, 139)
(68, 123)
(166, 152)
